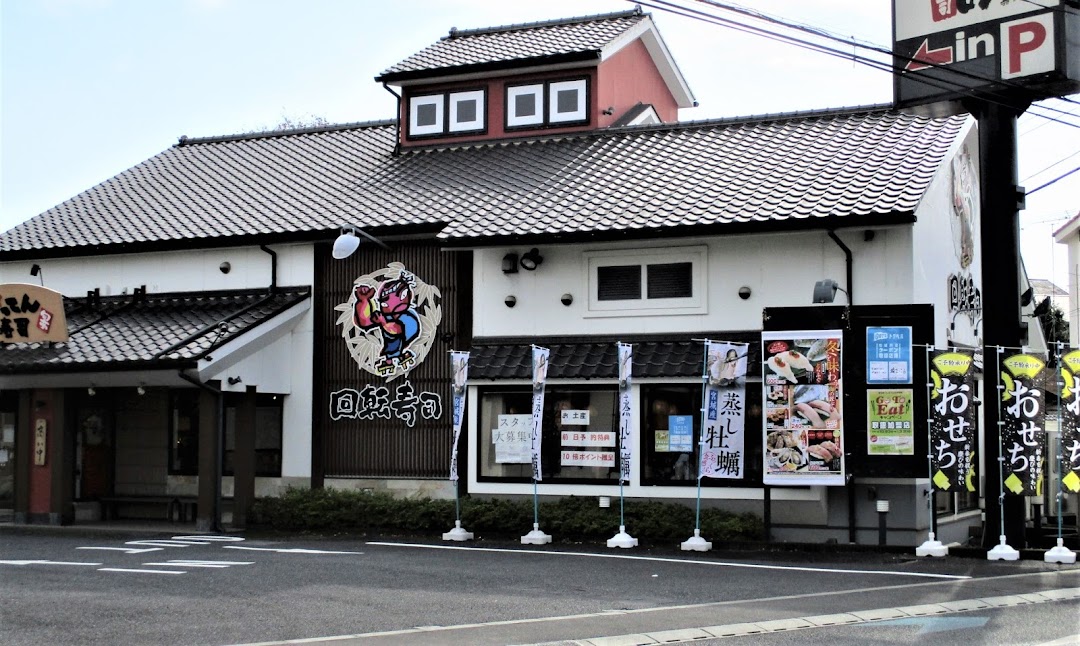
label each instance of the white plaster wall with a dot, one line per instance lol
(780, 270)
(934, 248)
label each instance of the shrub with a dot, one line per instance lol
(569, 519)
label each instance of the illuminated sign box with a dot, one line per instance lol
(954, 49)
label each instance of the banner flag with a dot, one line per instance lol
(1023, 415)
(952, 420)
(723, 436)
(459, 366)
(626, 443)
(802, 394)
(1070, 421)
(539, 376)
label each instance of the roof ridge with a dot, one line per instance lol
(184, 140)
(459, 33)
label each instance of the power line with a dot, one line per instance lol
(1054, 181)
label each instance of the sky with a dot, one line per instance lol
(89, 88)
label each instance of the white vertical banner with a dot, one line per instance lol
(626, 363)
(539, 376)
(723, 423)
(459, 366)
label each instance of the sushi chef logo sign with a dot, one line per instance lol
(389, 321)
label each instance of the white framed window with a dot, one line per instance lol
(653, 282)
(524, 105)
(567, 101)
(467, 111)
(426, 115)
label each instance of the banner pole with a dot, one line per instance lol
(932, 546)
(459, 369)
(1002, 551)
(696, 542)
(1059, 553)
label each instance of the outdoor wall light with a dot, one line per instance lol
(35, 270)
(347, 242)
(141, 389)
(225, 267)
(567, 299)
(825, 290)
(532, 259)
(510, 300)
(744, 292)
(510, 263)
(90, 391)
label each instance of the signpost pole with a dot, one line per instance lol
(696, 543)
(932, 546)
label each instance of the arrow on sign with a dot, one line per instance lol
(935, 624)
(926, 57)
(45, 563)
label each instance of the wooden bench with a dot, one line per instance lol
(179, 507)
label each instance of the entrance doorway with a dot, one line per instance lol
(94, 457)
(7, 460)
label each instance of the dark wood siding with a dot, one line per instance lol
(386, 448)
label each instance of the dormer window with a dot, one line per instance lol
(555, 103)
(431, 115)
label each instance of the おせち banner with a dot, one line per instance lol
(952, 420)
(802, 391)
(539, 378)
(1070, 421)
(626, 364)
(459, 366)
(1022, 432)
(723, 424)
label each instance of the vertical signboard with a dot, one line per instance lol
(724, 418)
(803, 419)
(1070, 421)
(1022, 414)
(952, 420)
(539, 378)
(626, 364)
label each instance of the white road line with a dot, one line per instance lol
(220, 539)
(284, 550)
(46, 563)
(752, 566)
(208, 564)
(124, 569)
(163, 543)
(125, 550)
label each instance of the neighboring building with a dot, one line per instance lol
(536, 189)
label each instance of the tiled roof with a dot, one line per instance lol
(768, 173)
(153, 331)
(1043, 286)
(654, 357)
(515, 45)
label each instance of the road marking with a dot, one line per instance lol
(935, 624)
(137, 571)
(658, 637)
(46, 563)
(658, 559)
(125, 550)
(285, 550)
(209, 564)
(164, 543)
(220, 539)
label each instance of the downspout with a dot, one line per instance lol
(273, 267)
(849, 265)
(850, 485)
(397, 121)
(218, 466)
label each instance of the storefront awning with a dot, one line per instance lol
(665, 356)
(137, 333)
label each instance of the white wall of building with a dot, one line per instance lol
(779, 269)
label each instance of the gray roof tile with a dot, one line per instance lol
(152, 331)
(646, 179)
(515, 45)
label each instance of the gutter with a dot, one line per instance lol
(849, 265)
(397, 121)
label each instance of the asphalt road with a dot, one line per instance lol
(74, 588)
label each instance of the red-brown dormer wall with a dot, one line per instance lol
(630, 77)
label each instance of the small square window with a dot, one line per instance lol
(618, 283)
(467, 111)
(426, 115)
(671, 280)
(568, 101)
(524, 105)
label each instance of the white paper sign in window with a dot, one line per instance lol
(524, 105)
(426, 115)
(567, 101)
(466, 111)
